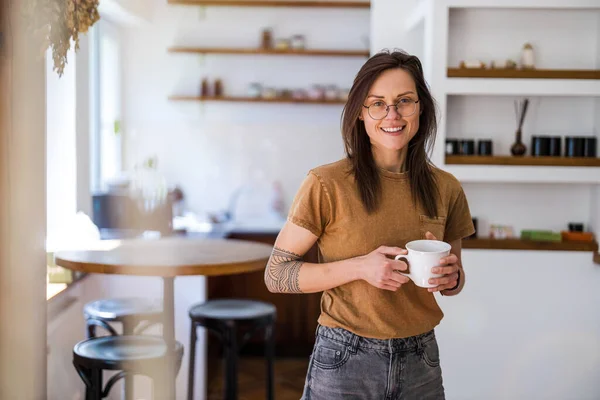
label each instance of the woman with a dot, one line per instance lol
(375, 337)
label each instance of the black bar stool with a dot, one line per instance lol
(132, 355)
(229, 318)
(135, 315)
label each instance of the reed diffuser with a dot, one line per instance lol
(518, 148)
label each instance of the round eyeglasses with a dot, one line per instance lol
(405, 107)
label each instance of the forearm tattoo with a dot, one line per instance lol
(282, 272)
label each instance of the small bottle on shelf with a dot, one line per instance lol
(218, 88)
(204, 91)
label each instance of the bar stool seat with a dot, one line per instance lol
(228, 318)
(133, 355)
(129, 311)
(231, 309)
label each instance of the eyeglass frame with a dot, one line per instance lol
(387, 109)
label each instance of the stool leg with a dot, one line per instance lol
(192, 363)
(91, 330)
(128, 381)
(270, 355)
(96, 389)
(231, 363)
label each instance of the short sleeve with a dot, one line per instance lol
(311, 207)
(458, 222)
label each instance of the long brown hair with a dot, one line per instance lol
(358, 146)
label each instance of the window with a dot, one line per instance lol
(107, 141)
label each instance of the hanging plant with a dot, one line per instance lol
(59, 22)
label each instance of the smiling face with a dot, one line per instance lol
(392, 133)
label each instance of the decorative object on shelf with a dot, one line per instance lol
(540, 146)
(254, 90)
(485, 147)
(467, 147)
(503, 64)
(501, 231)
(571, 236)
(472, 64)
(527, 57)
(590, 147)
(316, 92)
(574, 146)
(204, 89)
(555, 146)
(218, 88)
(331, 92)
(543, 146)
(58, 23)
(300, 94)
(298, 42)
(284, 94)
(269, 93)
(541, 235)
(267, 39)
(518, 148)
(282, 44)
(575, 226)
(452, 147)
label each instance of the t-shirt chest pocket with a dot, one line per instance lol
(435, 225)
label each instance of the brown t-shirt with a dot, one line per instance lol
(328, 204)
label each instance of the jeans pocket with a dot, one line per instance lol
(330, 354)
(431, 354)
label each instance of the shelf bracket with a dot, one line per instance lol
(202, 13)
(201, 60)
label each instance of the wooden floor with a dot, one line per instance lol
(289, 379)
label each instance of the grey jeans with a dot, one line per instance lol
(349, 367)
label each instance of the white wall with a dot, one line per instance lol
(525, 327)
(210, 149)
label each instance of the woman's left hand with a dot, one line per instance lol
(448, 268)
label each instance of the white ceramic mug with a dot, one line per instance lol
(422, 256)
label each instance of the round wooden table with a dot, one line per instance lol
(167, 258)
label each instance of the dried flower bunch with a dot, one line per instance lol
(57, 22)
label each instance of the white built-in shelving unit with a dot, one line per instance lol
(566, 38)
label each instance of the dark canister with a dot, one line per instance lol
(575, 227)
(555, 146)
(574, 146)
(590, 147)
(540, 146)
(467, 147)
(484, 147)
(452, 147)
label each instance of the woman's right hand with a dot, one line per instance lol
(381, 271)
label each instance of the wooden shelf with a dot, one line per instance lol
(522, 73)
(254, 100)
(524, 160)
(274, 3)
(258, 51)
(518, 244)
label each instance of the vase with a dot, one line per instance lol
(518, 148)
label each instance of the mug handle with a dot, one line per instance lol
(405, 259)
